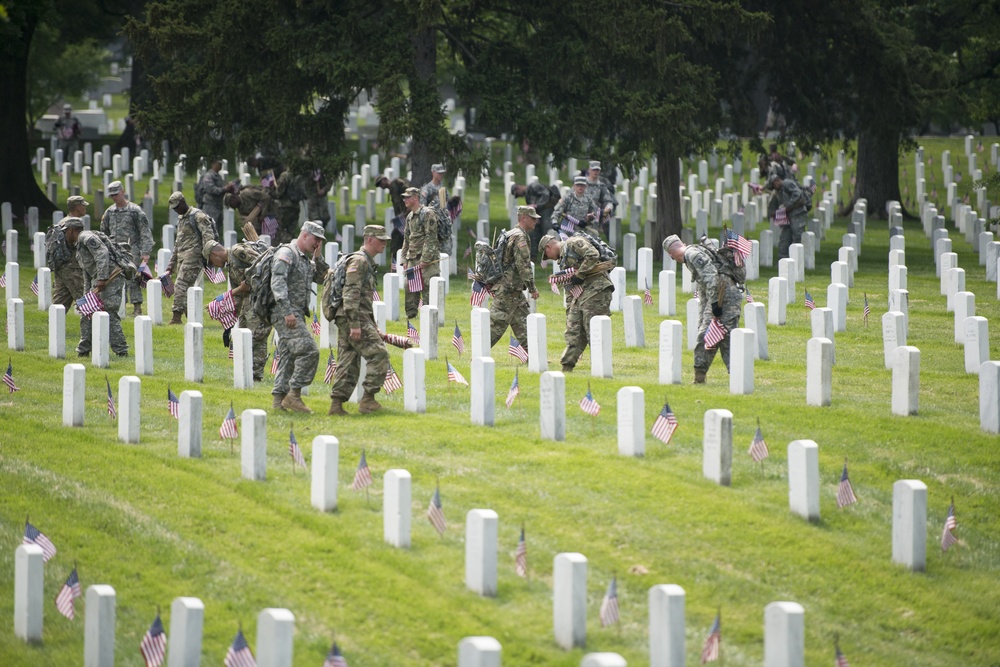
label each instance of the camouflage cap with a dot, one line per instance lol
(314, 228)
(438, 169)
(206, 250)
(175, 199)
(76, 200)
(72, 223)
(411, 192)
(114, 187)
(545, 241)
(376, 232)
(595, 164)
(528, 211)
(671, 241)
(580, 180)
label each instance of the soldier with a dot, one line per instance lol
(396, 188)
(68, 131)
(544, 199)
(509, 307)
(212, 187)
(602, 195)
(97, 260)
(294, 267)
(429, 193)
(238, 259)
(316, 201)
(250, 197)
(194, 228)
(68, 284)
(125, 222)
(576, 204)
(578, 253)
(421, 249)
(720, 298)
(288, 192)
(357, 333)
(789, 194)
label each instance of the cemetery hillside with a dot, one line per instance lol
(838, 492)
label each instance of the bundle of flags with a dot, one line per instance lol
(715, 333)
(295, 451)
(454, 375)
(8, 379)
(457, 341)
(223, 310)
(362, 476)
(845, 493)
(665, 424)
(516, 350)
(434, 513)
(392, 381)
(166, 284)
(781, 217)
(412, 333)
(228, 430)
(331, 368)
(215, 274)
(267, 180)
(514, 391)
(609, 605)
(478, 295)
(414, 279)
(145, 275)
(741, 247)
(88, 304)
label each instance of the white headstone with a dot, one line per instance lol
(275, 632)
(481, 527)
(777, 300)
(784, 635)
(819, 371)
(755, 316)
(552, 405)
(965, 306)
(989, 396)
(44, 278)
(766, 248)
(187, 617)
(569, 600)
(429, 331)
(909, 524)
(666, 626)
(194, 352)
(483, 390)
(821, 320)
(74, 394)
(905, 380)
(396, 508)
(15, 324)
(631, 421)
(803, 479)
(39, 249)
(836, 298)
(143, 345)
(390, 294)
(947, 261)
(717, 447)
(693, 311)
(977, 343)
(129, 389)
(840, 272)
(189, 420)
(668, 293)
(897, 277)
(29, 581)
(600, 346)
(741, 361)
(242, 358)
(154, 300)
(797, 253)
(635, 334)
(617, 277)
(195, 305)
(99, 627)
(480, 323)
(57, 331)
(100, 336)
(644, 269)
(437, 300)
(671, 341)
(955, 279)
(325, 465)
(538, 361)
(414, 389)
(603, 660)
(479, 652)
(253, 445)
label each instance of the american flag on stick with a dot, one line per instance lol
(478, 295)
(173, 405)
(392, 381)
(839, 659)
(515, 389)
(589, 405)
(153, 646)
(521, 557)
(457, 341)
(239, 654)
(34, 536)
(868, 311)
(275, 360)
(8, 378)
(609, 605)
(758, 448)
(69, 592)
(334, 657)
(228, 430)
(34, 286)
(516, 350)
(947, 536)
(710, 651)
(434, 513)
(412, 333)
(716, 332)
(269, 226)
(741, 247)
(414, 279)
(331, 368)
(215, 274)
(3, 278)
(88, 304)
(454, 375)
(810, 304)
(112, 411)
(315, 325)
(296, 452)
(267, 180)
(845, 493)
(363, 475)
(647, 296)
(223, 309)
(665, 424)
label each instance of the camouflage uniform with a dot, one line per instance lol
(705, 273)
(214, 188)
(577, 207)
(316, 199)
(356, 312)
(544, 198)
(790, 196)
(253, 195)
(420, 244)
(429, 194)
(396, 188)
(129, 225)
(602, 196)
(97, 264)
(241, 256)
(577, 252)
(292, 275)
(288, 192)
(68, 284)
(509, 306)
(194, 228)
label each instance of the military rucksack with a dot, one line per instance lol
(725, 262)
(606, 252)
(199, 192)
(444, 229)
(490, 264)
(57, 250)
(259, 278)
(333, 287)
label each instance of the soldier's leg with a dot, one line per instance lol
(499, 318)
(784, 241)
(702, 357)
(732, 306)
(797, 226)
(260, 335)
(576, 340)
(187, 275)
(411, 301)
(519, 322)
(284, 373)
(112, 297)
(305, 355)
(86, 331)
(376, 357)
(61, 295)
(345, 378)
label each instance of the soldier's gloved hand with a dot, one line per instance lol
(576, 280)
(717, 309)
(101, 284)
(227, 336)
(590, 217)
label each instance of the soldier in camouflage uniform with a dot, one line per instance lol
(238, 259)
(125, 222)
(509, 307)
(294, 268)
(213, 187)
(789, 194)
(316, 201)
(578, 253)
(429, 193)
(250, 197)
(97, 262)
(68, 284)
(396, 188)
(421, 248)
(357, 333)
(288, 192)
(576, 204)
(602, 195)
(720, 298)
(194, 228)
(544, 199)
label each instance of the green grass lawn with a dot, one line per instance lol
(155, 526)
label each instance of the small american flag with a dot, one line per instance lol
(479, 294)
(215, 274)
(841, 661)
(868, 311)
(516, 350)
(274, 362)
(665, 424)
(154, 644)
(414, 279)
(331, 368)
(609, 605)
(295, 451)
(239, 654)
(375, 297)
(412, 333)
(575, 291)
(228, 430)
(758, 448)
(741, 247)
(810, 304)
(362, 476)
(334, 658)
(710, 652)
(69, 592)
(34, 286)
(454, 375)
(947, 537)
(756, 188)
(269, 226)
(845, 494)
(8, 379)
(112, 411)
(392, 381)
(434, 513)
(34, 536)
(173, 405)
(145, 275)
(457, 341)
(315, 325)
(562, 277)
(521, 557)
(267, 180)
(3, 278)
(166, 284)
(589, 405)
(647, 296)
(716, 332)
(223, 309)
(747, 290)
(88, 304)
(468, 251)
(781, 217)
(514, 391)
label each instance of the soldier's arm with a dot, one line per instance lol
(205, 227)
(431, 249)
(708, 275)
(102, 260)
(106, 222)
(216, 186)
(145, 234)
(589, 257)
(557, 212)
(281, 266)
(356, 270)
(321, 267)
(407, 228)
(522, 260)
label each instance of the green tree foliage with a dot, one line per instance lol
(60, 70)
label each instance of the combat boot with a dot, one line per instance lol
(176, 319)
(368, 404)
(337, 407)
(293, 401)
(137, 310)
(276, 402)
(699, 376)
(567, 369)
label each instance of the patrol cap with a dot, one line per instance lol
(595, 164)
(175, 199)
(72, 223)
(67, 107)
(580, 180)
(671, 241)
(438, 169)
(528, 211)
(114, 187)
(411, 192)
(376, 232)
(314, 228)
(545, 241)
(206, 250)
(76, 200)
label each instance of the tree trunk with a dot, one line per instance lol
(424, 104)
(878, 169)
(668, 196)
(17, 179)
